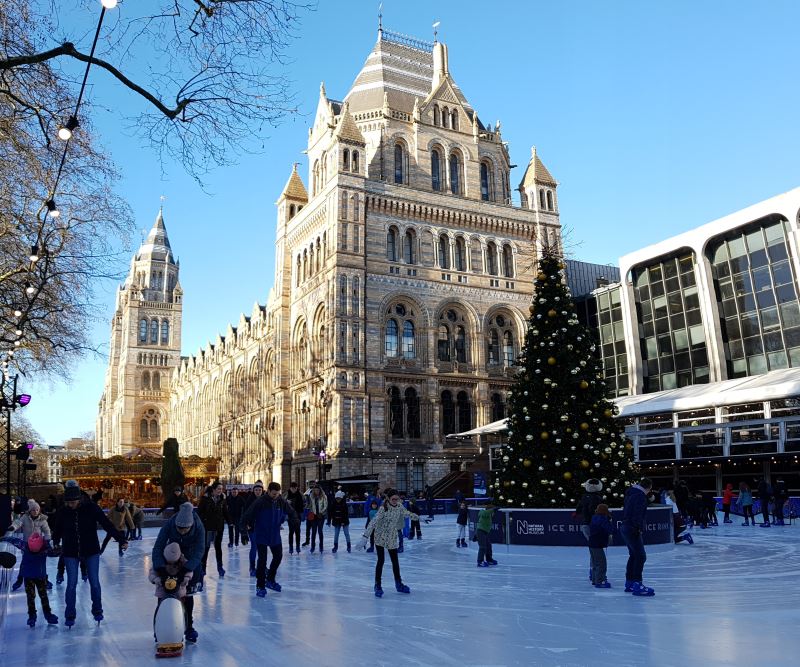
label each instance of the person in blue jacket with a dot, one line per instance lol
(185, 529)
(600, 531)
(633, 522)
(263, 519)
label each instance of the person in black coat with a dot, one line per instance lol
(340, 518)
(175, 501)
(213, 512)
(295, 499)
(585, 512)
(682, 499)
(235, 503)
(780, 494)
(429, 500)
(75, 528)
(765, 495)
(633, 522)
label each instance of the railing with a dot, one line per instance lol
(778, 435)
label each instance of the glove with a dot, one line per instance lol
(362, 543)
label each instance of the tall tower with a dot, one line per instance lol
(145, 348)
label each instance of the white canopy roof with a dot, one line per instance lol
(777, 384)
(494, 427)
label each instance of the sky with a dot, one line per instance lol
(653, 117)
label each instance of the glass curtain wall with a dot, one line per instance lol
(757, 299)
(671, 330)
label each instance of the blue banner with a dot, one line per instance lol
(478, 484)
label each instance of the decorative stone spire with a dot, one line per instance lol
(294, 188)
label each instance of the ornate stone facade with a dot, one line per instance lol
(402, 284)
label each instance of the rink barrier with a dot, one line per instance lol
(7, 577)
(790, 511)
(559, 527)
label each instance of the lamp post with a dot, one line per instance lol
(10, 401)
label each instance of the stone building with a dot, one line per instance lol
(403, 276)
(145, 349)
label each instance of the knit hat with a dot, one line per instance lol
(72, 492)
(339, 494)
(172, 552)
(593, 485)
(258, 483)
(178, 488)
(185, 516)
(33, 506)
(602, 508)
(70, 482)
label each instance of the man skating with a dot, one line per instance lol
(633, 522)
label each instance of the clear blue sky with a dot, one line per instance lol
(654, 118)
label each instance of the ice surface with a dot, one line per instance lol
(731, 599)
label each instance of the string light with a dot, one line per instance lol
(65, 132)
(18, 313)
(34, 256)
(30, 289)
(109, 4)
(52, 209)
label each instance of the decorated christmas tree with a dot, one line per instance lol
(562, 429)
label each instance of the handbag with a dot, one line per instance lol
(311, 516)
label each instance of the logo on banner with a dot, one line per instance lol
(525, 528)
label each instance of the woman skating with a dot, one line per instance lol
(387, 522)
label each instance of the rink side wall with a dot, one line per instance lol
(559, 528)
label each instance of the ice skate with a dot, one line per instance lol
(261, 592)
(766, 524)
(746, 523)
(32, 620)
(371, 550)
(335, 548)
(378, 591)
(491, 561)
(69, 622)
(221, 572)
(51, 618)
(98, 617)
(349, 548)
(49, 585)
(603, 584)
(628, 586)
(688, 538)
(274, 586)
(401, 587)
(252, 572)
(16, 586)
(642, 591)
(59, 579)
(483, 564)
(191, 636)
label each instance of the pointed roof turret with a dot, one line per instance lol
(156, 245)
(347, 130)
(536, 173)
(294, 188)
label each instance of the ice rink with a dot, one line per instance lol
(731, 599)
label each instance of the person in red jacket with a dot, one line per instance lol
(727, 497)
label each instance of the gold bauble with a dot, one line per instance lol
(544, 435)
(584, 426)
(506, 484)
(527, 463)
(541, 275)
(608, 412)
(531, 309)
(551, 361)
(568, 475)
(551, 313)
(584, 463)
(584, 384)
(628, 446)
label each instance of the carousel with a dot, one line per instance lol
(135, 476)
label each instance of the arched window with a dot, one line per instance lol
(354, 201)
(448, 414)
(436, 170)
(399, 158)
(485, 195)
(355, 161)
(444, 252)
(445, 117)
(409, 351)
(299, 270)
(491, 258)
(542, 201)
(144, 429)
(454, 119)
(461, 255)
(344, 206)
(346, 159)
(390, 343)
(315, 178)
(443, 343)
(154, 435)
(508, 348)
(412, 413)
(549, 200)
(493, 350)
(156, 380)
(464, 411)
(395, 413)
(292, 210)
(305, 264)
(508, 261)
(356, 300)
(455, 174)
(164, 332)
(437, 118)
(461, 345)
(154, 332)
(142, 331)
(498, 408)
(409, 247)
(146, 380)
(343, 294)
(391, 244)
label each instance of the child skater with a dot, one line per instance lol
(33, 569)
(388, 521)
(174, 580)
(373, 511)
(463, 517)
(600, 531)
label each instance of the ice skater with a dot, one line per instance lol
(317, 510)
(633, 519)
(258, 492)
(122, 520)
(295, 499)
(263, 520)
(213, 512)
(371, 514)
(727, 500)
(185, 530)
(678, 524)
(235, 511)
(30, 522)
(137, 514)
(746, 504)
(75, 528)
(461, 522)
(171, 580)
(764, 496)
(600, 536)
(414, 527)
(483, 531)
(586, 508)
(388, 520)
(34, 570)
(340, 520)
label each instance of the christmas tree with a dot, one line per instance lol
(562, 430)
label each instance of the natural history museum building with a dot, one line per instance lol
(402, 284)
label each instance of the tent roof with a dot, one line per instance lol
(494, 427)
(782, 383)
